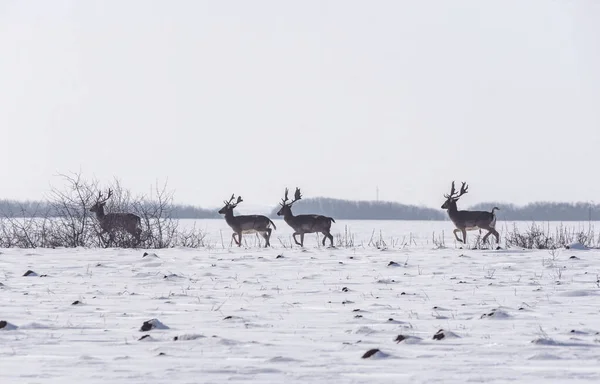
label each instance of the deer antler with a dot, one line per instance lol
(228, 203)
(297, 196)
(463, 189)
(239, 200)
(285, 198)
(452, 192)
(100, 200)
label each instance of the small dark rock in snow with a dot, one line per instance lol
(279, 257)
(143, 337)
(574, 257)
(390, 319)
(356, 310)
(146, 254)
(357, 316)
(228, 317)
(403, 293)
(162, 354)
(345, 289)
(370, 353)
(30, 273)
(76, 302)
(393, 264)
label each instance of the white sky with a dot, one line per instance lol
(336, 97)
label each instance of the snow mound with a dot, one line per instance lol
(408, 339)
(577, 247)
(544, 356)
(152, 324)
(578, 293)
(6, 326)
(442, 334)
(190, 336)
(364, 330)
(375, 354)
(496, 313)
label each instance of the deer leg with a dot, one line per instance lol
(267, 236)
(484, 240)
(302, 239)
(234, 239)
(456, 235)
(492, 231)
(239, 236)
(296, 240)
(464, 233)
(328, 236)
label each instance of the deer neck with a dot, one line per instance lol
(229, 215)
(452, 209)
(288, 216)
(100, 213)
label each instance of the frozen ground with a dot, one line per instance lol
(289, 315)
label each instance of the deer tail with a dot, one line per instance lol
(495, 209)
(331, 218)
(272, 223)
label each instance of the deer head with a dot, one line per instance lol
(230, 205)
(287, 205)
(98, 206)
(453, 197)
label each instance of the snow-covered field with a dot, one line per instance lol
(308, 315)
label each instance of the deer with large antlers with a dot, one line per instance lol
(302, 224)
(109, 222)
(469, 220)
(246, 223)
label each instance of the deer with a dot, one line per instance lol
(246, 223)
(302, 224)
(469, 220)
(109, 222)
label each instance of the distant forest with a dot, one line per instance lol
(12, 208)
(359, 210)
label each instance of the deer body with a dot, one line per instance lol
(109, 222)
(469, 220)
(302, 224)
(246, 224)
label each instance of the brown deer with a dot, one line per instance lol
(109, 222)
(302, 224)
(246, 223)
(469, 220)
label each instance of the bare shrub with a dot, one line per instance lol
(536, 237)
(68, 221)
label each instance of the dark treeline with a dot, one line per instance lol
(544, 211)
(357, 210)
(364, 210)
(12, 208)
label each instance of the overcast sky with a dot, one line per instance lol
(337, 97)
